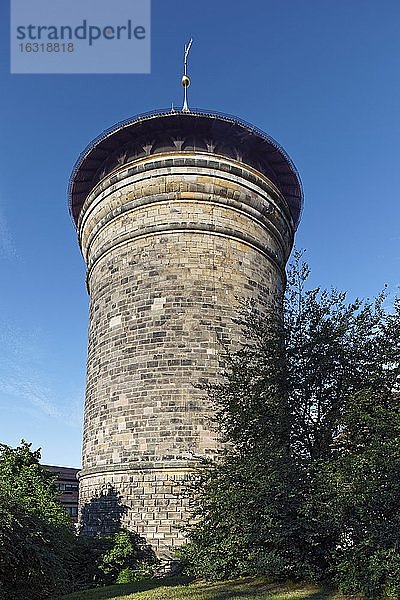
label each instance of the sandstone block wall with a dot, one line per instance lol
(173, 243)
(150, 502)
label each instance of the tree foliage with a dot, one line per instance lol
(40, 554)
(36, 534)
(119, 558)
(308, 484)
(128, 558)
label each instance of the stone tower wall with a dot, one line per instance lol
(173, 243)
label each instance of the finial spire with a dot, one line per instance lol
(185, 78)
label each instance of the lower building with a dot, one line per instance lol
(68, 485)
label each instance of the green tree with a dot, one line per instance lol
(246, 504)
(362, 481)
(343, 367)
(308, 482)
(333, 350)
(36, 534)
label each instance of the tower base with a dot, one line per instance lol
(150, 501)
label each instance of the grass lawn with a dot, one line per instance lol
(173, 589)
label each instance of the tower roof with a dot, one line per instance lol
(162, 131)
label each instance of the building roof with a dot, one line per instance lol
(63, 472)
(161, 131)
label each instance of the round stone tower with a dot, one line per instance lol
(180, 216)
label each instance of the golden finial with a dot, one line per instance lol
(185, 78)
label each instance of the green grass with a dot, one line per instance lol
(173, 589)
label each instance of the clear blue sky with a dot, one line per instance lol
(320, 76)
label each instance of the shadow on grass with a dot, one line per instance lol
(226, 590)
(264, 590)
(254, 594)
(322, 595)
(123, 589)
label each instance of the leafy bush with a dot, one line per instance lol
(103, 560)
(127, 575)
(141, 573)
(246, 520)
(88, 554)
(36, 534)
(128, 553)
(373, 572)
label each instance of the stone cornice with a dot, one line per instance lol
(195, 131)
(182, 164)
(183, 466)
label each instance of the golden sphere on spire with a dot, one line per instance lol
(185, 81)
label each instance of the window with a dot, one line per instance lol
(71, 487)
(72, 511)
